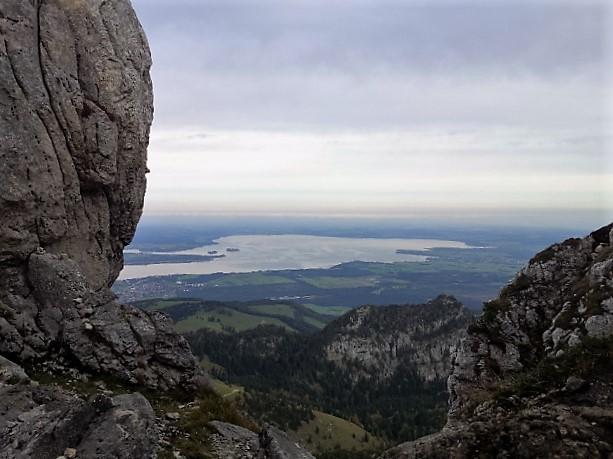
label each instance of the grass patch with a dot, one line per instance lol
(316, 323)
(192, 436)
(593, 358)
(332, 282)
(326, 432)
(328, 310)
(246, 279)
(227, 391)
(164, 304)
(226, 320)
(274, 309)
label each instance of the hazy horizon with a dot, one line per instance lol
(460, 111)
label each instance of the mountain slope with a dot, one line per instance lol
(231, 316)
(379, 339)
(366, 364)
(534, 378)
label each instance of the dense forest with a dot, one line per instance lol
(287, 376)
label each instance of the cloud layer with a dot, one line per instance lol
(387, 106)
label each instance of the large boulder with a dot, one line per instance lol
(75, 112)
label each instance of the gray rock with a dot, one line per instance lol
(11, 373)
(426, 335)
(556, 300)
(41, 422)
(77, 106)
(234, 442)
(76, 102)
(562, 299)
(275, 444)
(574, 384)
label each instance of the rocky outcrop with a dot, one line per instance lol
(234, 442)
(41, 422)
(76, 107)
(380, 339)
(534, 377)
(75, 111)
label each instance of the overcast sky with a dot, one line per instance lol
(374, 107)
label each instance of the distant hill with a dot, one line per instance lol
(383, 367)
(192, 314)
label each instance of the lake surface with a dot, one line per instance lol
(290, 251)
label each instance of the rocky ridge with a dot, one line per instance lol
(380, 338)
(534, 377)
(384, 367)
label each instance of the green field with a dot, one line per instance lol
(316, 323)
(245, 279)
(275, 309)
(326, 432)
(331, 282)
(160, 305)
(192, 314)
(222, 320)
(328, 310)
(227, 391)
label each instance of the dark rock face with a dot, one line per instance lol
(534, 378)
(76, 107)
(40, 422)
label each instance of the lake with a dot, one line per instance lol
(290, 251)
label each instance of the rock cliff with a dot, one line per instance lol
(75, 111)
(76, 106)
(534, 377)
(380, 339)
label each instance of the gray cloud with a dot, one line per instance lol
(360, 36)
(350, 63)
(530, 80)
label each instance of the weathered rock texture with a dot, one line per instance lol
(534, 378)
(234, 442)
(382, 339)
(75, 111)
(38, 422)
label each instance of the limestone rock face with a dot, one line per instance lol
(75, 111)
(380, 339)
(562, 296)
(76, 104)
(534, 377)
